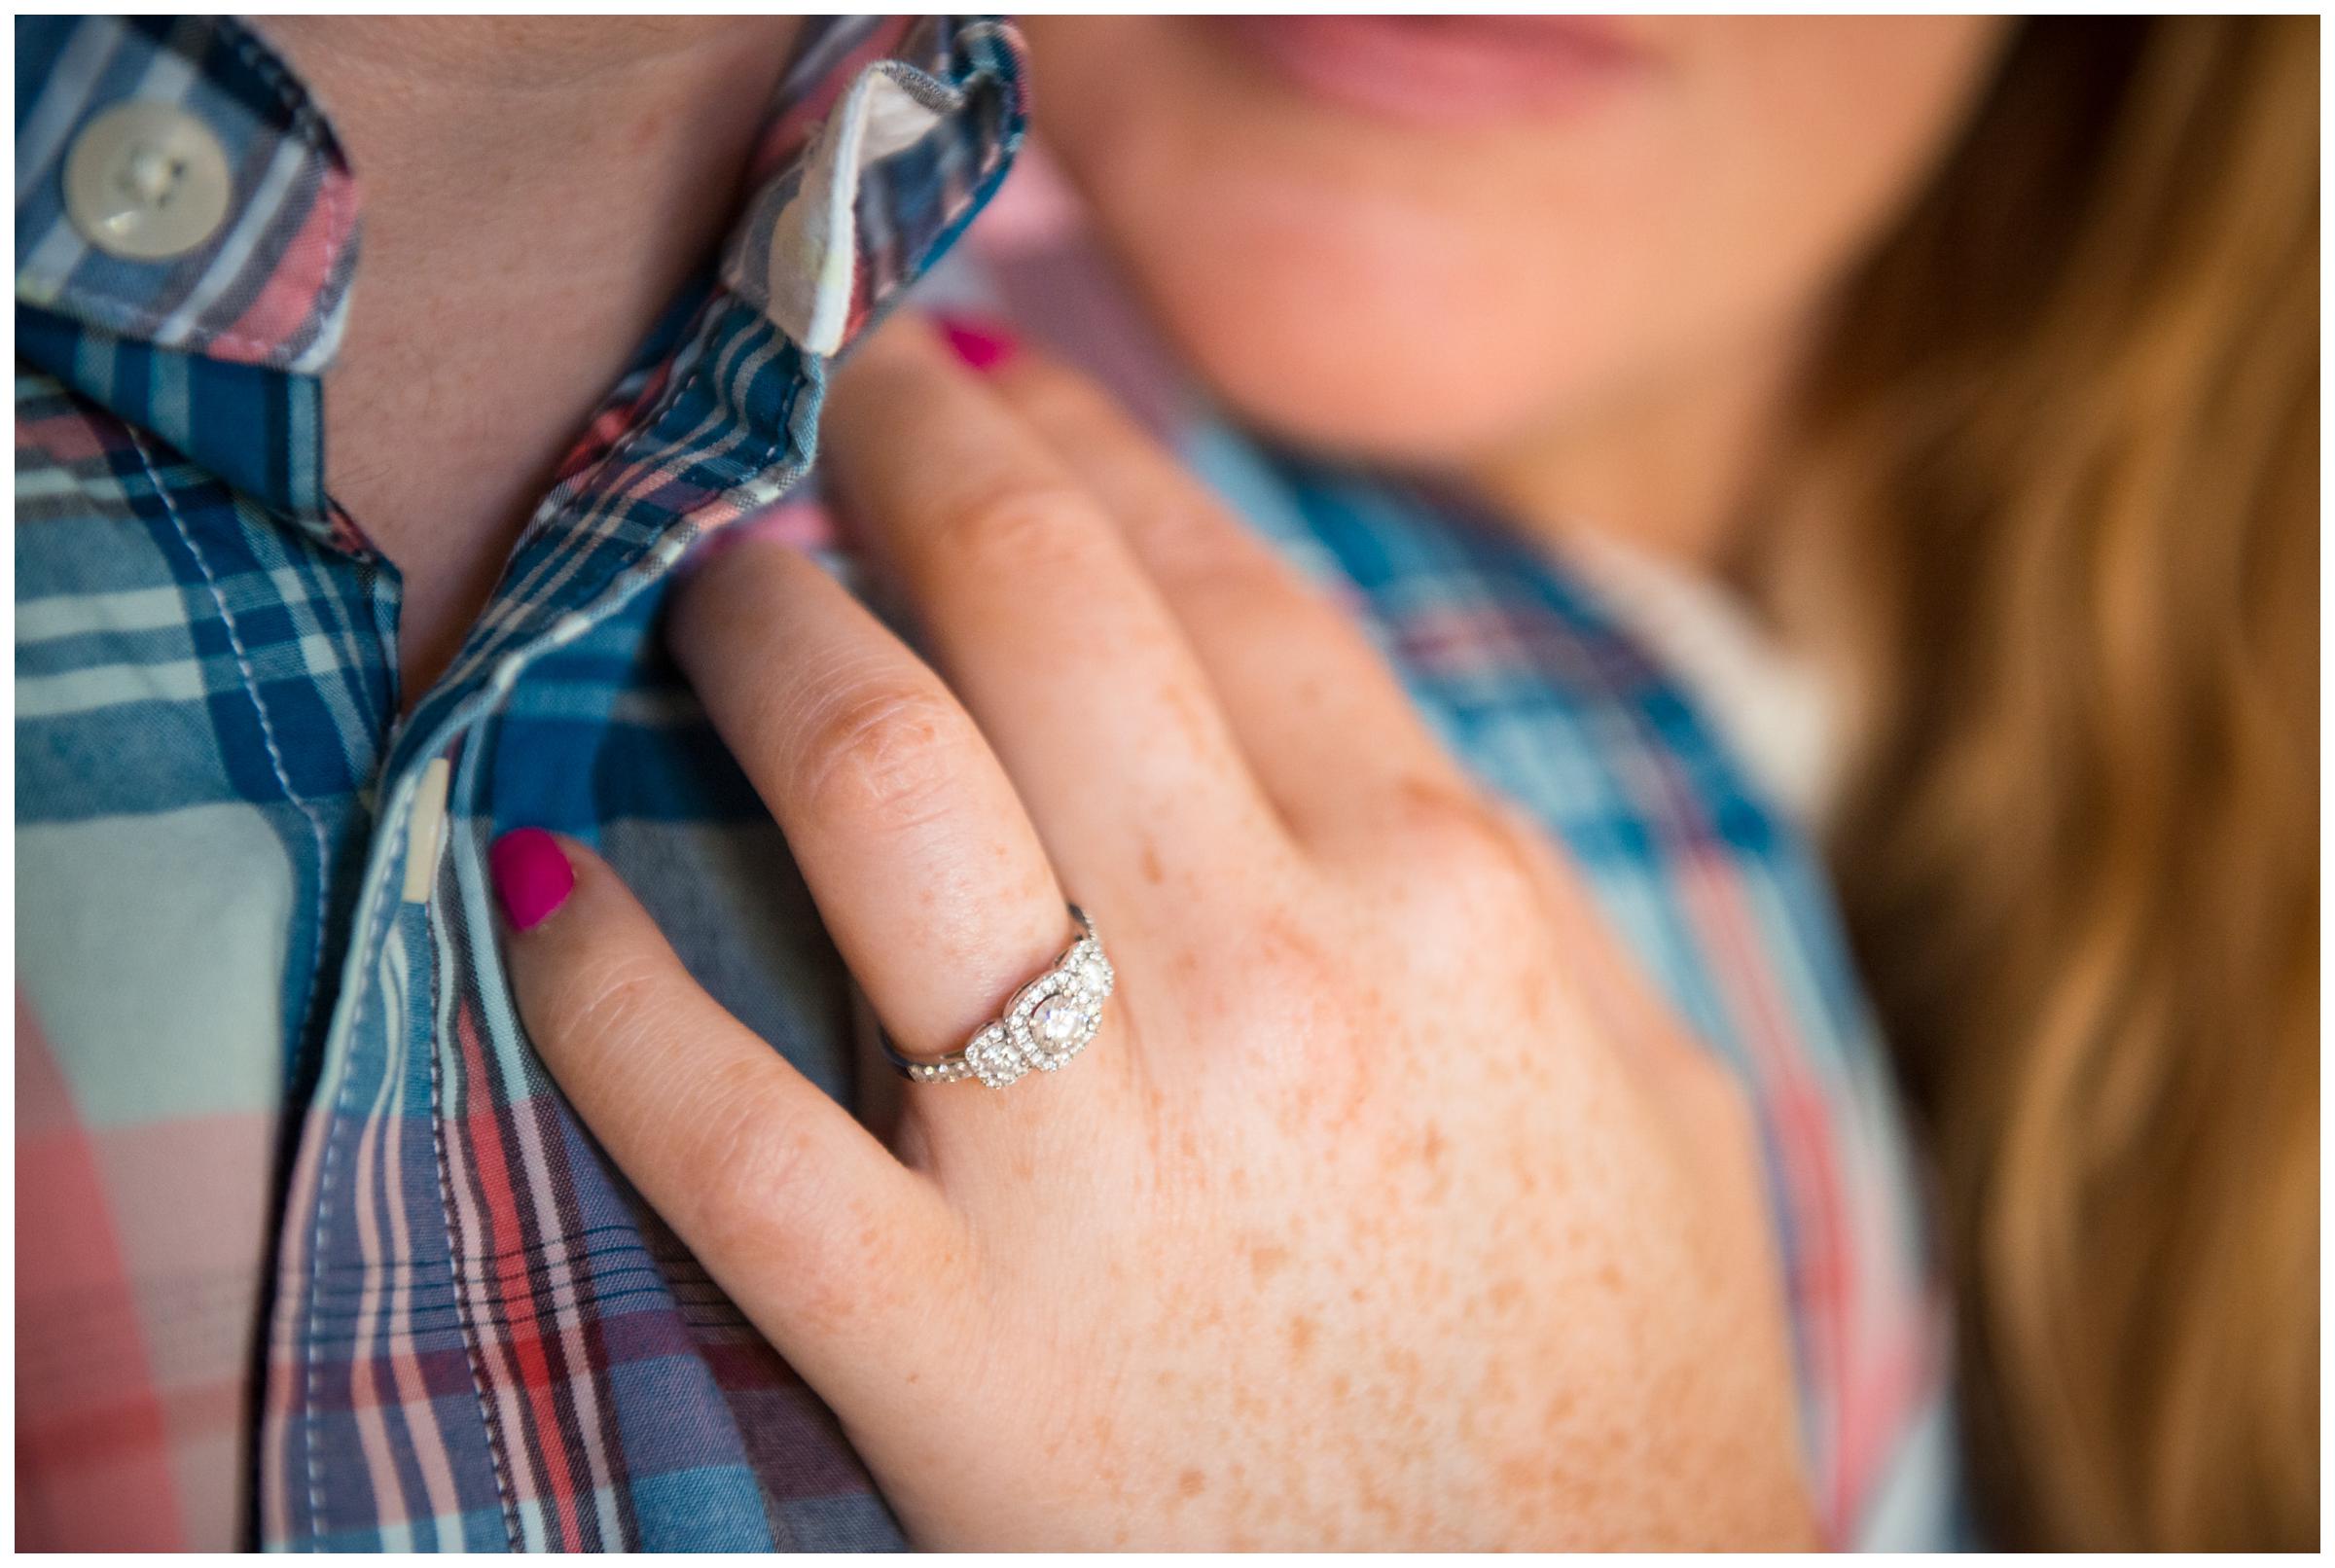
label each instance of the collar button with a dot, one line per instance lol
(146, 181)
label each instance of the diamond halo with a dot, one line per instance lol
(1049, 1022)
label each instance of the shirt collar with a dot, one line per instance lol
(268, 286)
(874, 116)
(888, 137)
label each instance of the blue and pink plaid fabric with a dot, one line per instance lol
(310, 1252)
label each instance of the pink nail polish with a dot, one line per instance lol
(981, 345)
(531, 876)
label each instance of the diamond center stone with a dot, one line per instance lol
(1056, 1020)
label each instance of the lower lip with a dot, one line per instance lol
(1445, 71)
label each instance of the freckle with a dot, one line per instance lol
(1151, 866)
(1301, 1333)
(1191, 1484)
(1507, 1295)
(1432, 1153)
(1266, 1261)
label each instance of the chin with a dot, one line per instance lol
(1331, 355)
(1364, 324)
(1347, 317)
(1350, 278)
(1340, 292)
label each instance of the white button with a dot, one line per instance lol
(147, 181)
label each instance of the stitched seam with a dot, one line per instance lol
(634, 437)
(638, 437)
(234, 640)
(374, 926)
(974, 194)
(284, 777)
(309, 125)
(474, 1351)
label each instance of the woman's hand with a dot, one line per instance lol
(1385, 1210)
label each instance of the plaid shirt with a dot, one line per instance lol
(311, 1249)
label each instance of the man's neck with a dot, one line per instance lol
(535, 191)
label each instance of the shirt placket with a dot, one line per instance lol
(435, 1151)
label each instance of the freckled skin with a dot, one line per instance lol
(1386, 1210)
(1496, 1313)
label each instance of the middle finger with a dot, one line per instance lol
(1039, 614)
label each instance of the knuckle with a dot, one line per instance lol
(601, 1007)
(1197, 559)
(1465, 882)
(1290, 990)
(881, 753)
(1057, 396)
(758, 1165)
(1020, 527)
(1454, 840)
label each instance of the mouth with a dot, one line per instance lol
(1447, 72)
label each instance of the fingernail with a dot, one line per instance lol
(981, 345)
(531, 876)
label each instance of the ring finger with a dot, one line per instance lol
(910, 838)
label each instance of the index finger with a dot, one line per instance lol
(840, 1254)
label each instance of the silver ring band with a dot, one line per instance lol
(1048, 1023)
